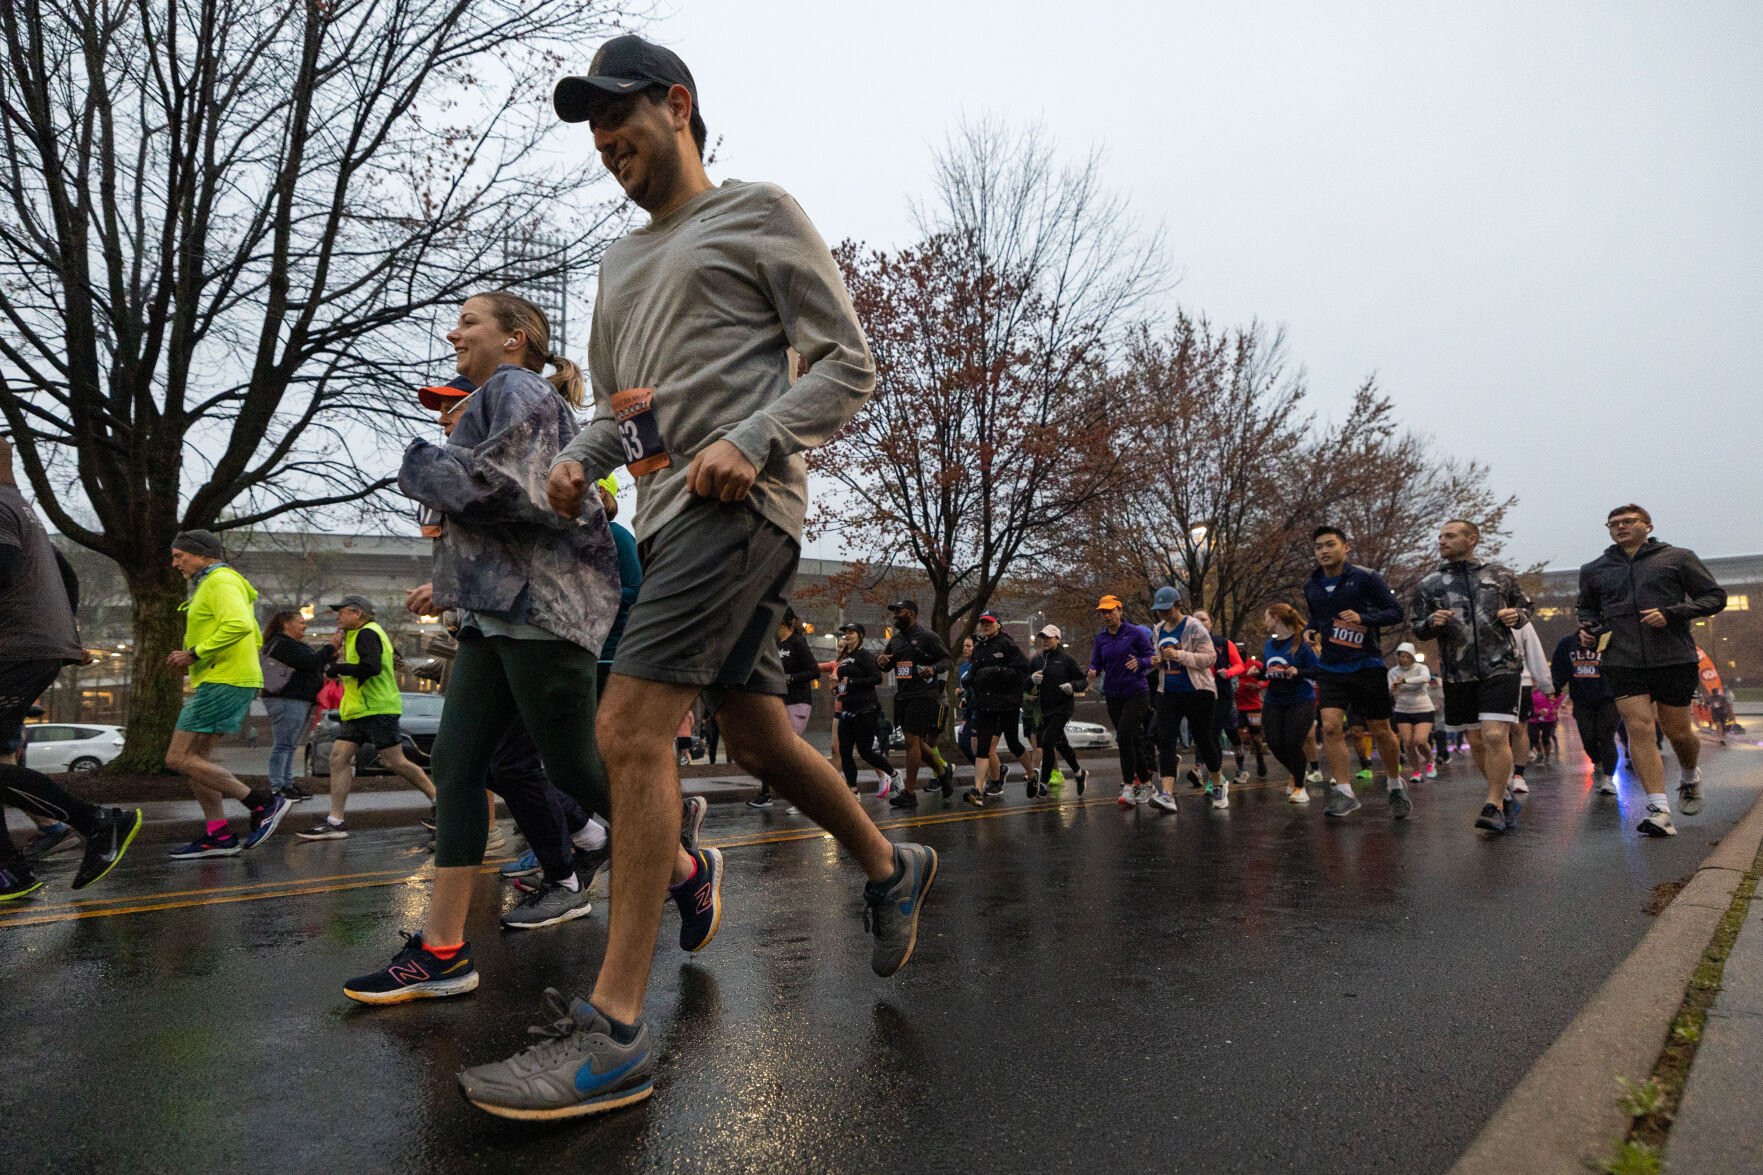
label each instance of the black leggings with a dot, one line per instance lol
(1200, 708)
(990, 724)
(549, 685)
(1286, 729)
(545, 816)
(1128, 716)
(1051, 739)
(1597, 732)
(857, 737)
(41, 796)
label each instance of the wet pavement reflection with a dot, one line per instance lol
(1249, 990)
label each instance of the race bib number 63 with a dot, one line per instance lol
(644, 449)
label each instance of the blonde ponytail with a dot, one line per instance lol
(568, 380)
(515, 313)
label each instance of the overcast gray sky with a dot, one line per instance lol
(1540, 225)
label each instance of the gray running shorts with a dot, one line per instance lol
(716, 581)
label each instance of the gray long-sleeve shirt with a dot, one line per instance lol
(702, 305)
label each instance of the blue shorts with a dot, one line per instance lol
(216, 709)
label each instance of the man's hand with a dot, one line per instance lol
(1653, 618)
(721, 473)
(1036, 676)
(336, 639)
(1350, 616)
(883, 660)
(566, 487)
(180, 658)
(1091, 672)
(927, 672)
(1066, 686)
(1132, 663)
(420, 600)
(1440, 618)
(1586, 639)
(1510, 617)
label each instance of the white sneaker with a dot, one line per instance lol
(1165, 802)
(1432, 770)
(887, 786)
(1221, 794)
(1298, 795)
(1604, 784)
(1315, 777)
(1657, 822)
(496, 841)
(1242, 775)
(1518, 784)
(1126, 799)
(1142, 793)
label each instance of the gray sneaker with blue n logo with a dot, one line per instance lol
(579, 1069)
(891, 907)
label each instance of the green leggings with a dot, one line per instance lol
(550, 685)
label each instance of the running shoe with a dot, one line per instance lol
(1242, 776)
(1041, 791)
(891, 908)
(1657, 821)
(1341, 803)
(1689, 792)
(577, 1070)
(428, 821)
(699, 898)
(1364, 773)
(1221, 794)
(17, 881)
(976, 797)
(1518, 784)
(1141, 793)
(524, 865)
(1415, 778)
(1194, 780)
(762, 800)
(547, 906)
(223, 844)
(325, 830)
(691, 821)
(1313, 777)
(905, 799)
(1126, 800)
(415, 973)
(1298, 795)
(1029, 784)
(1604, 784)
(105, 847)
(1083, 780)
(1165, 802)
(888, 785)
(51, 838)
(496, 841)
(1509, 809)
(264, 821)
(1432, 770)
(1491, 819)
(994, 787)
(1401, 807)
(1056, 780)
(947, 780)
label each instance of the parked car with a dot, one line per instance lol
(68, 746)
(416, 731)
(1084, 735)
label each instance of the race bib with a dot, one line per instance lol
(1346, 634)
(902, 670)
(1586, 668)
(644, 449)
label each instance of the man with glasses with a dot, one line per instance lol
(1636, 602)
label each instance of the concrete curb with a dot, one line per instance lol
(1563, 1116)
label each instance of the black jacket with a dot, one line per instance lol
(911, 650)
(1581, 671)
(858, 676)
(307, 663)
(1474, 644)
(801, 671)
(1057, 669)
(999, 673)
(1614, 590)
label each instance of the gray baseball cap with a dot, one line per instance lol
(361, 602)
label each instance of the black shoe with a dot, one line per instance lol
(762, 800)
(1040, 791)
(947, 780)
(904, 799)
(1083, 779)
(16, 881)
(1029, 788)
(973, 796)
(994, 787)
(1260, 769)
(1491, 819)
(1194, 780)
(105, 847)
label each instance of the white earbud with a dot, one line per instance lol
(509, 343)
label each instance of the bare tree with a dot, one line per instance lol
(987, 436)
(229, 226)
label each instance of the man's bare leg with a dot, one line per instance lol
(342, 777)
(1335, 749)
(1491, 744)
(188, 756)
(760, 739)
(1680, 732)
(1643, 751)
(403, 768)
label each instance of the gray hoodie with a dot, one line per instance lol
(1614, 590)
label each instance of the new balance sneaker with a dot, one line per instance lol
(579, 1069)
(1341, 803)
(1164, 802)
(1221, 794)
(547, 906)
(524, 865)
(221, 844)
(691, 821)
(1491, 819)
(325, 830)
(1518, 784)
(891, 908)
(976, 797)
(904, 799)
(1126, 798)
(1083, 780)
(1689, 792)
(265, 820)
(1604, 785)
(699, 898)
(104, 848)
(415, 973)
(1401, 807)
(1509, 809)
(51, 838)
(1298, 795)
(17, 881)
(1657, 821)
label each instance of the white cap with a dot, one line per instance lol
(1052, 630)
(1408, 648)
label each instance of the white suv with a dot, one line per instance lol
(68, 746)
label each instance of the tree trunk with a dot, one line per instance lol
(157, 692)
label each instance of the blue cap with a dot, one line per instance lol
(1168, 596)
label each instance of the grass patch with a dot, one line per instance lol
(1652, 1103)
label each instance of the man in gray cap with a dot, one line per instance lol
(370, 711)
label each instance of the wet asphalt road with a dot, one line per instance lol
(1094, 989)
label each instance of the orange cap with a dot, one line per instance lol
(1108, 603)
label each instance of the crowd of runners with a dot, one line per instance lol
(583, 646)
